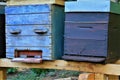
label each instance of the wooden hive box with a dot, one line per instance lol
(92, 31)
(2, 29)
(35, 29)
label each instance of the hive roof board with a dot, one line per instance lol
(92, 6)
(30, 2)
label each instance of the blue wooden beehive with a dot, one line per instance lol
(92, 30)
(35, 29)
(2, 29)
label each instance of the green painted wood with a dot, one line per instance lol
(58, 31)
(115, 7)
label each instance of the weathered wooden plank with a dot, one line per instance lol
(25, 19)
(87, 17)
(83, 58)
(99, 76)
(110, 69)
(86, 31)
(27, 60)
(89, 6)
(113, 77)
(26, 9)
(26, 2)
(3, 73)
(28, 40)
(29, 30)
(87, 76)
(46, 51)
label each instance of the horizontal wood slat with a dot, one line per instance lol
(26, 2)
(28, 19)
(27, 9)
(111, 69)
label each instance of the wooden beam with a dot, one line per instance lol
(111, 69)
(31, 2)
(3, 74)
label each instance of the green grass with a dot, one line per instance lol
(40, 74)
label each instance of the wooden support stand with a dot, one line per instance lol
(3, 74)
(97, 71)
(97, 76)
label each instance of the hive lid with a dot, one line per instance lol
(93, 6)
(31, 2)
(87, 6)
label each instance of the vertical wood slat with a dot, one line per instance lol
(3, 75)
(87, 76)
(93, 76)
(112, 77)
(100, 77)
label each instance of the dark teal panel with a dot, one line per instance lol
(2, 9)
(28, 19)
(58, 31)
(115, 7)
(27, 9)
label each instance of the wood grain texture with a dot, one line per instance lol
(28, 19)
(99, 76)
(26, 2)
(87, 76)
(26, 9)
(35, 27)
(34, 41)
(113, 77)
(3, 73)
(110, 69)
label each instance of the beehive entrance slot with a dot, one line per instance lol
(28, 56)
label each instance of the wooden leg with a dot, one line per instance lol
(100, 77)
(3, 74)
(111, 77)
(92, 76)
(86, 76)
